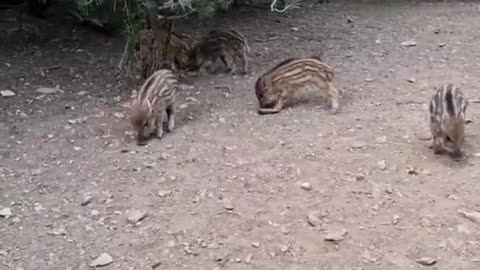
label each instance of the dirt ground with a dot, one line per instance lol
(231, 189)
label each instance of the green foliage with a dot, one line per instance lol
(133, 20)
(134, 14)
(85, 7)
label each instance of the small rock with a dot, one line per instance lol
(382, 139)
(368, 257)
(228, 204)
(306, 186)
(442, 244)
(335, 236)
(411, 80)
(368, 79)
(255, 244)
(136, 216)
(102, 260)
(313, 220)
(5, 212)
(357, 144)
(188, 250)
(57, 232)
(426, 172)
(382, 165)
(38, 207)
(284, 230)
(7, 93)
(477, 155)
(452, 197)
(389, 189)
(76, 121)
(94, 213)
(119, 115)
(349, 19)
(249, 258)
(359, 177)
(3, 252)
(48, 90)
(412, 171)
(164, 193)
(424, 137)
(156, 265)
(86, 200)
(426, 261)
(294, 29)
(148, 165)
(82, 93)
(409, 43)
(396, 219)
(441, 45)
(36, 172)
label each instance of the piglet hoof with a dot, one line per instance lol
(263, 111)
(141, 143)
(159, 133)
(438, 151)
(334, 107)
(171, 124)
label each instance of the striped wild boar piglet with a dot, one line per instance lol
(447, 120)
(229, 46)
(288, 78)
(154, 105)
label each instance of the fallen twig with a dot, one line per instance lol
(406, 102)
(177, 17)
(292, 4)
(54, 67)
(373, 27)
(266, 39)
(229, 89)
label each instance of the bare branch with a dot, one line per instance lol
(292, 4)
(267, 39)
(176, 17)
